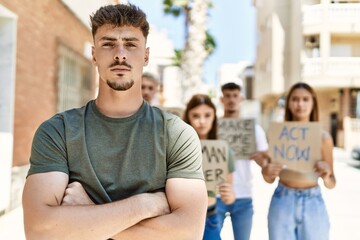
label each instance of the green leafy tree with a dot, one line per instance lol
(199, 43)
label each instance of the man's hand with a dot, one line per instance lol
(261, 158)
(75, 194)
(271, 171)
(188, 202)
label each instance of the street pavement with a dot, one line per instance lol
(342, 202)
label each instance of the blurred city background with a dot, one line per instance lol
(195, 47)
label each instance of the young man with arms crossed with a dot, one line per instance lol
(117, 167)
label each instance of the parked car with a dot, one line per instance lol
(355, 153)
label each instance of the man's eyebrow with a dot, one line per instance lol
(107, 39)
(130, 39)
(127, 39)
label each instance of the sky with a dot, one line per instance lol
(231, 22)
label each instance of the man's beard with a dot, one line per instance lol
(123, 86)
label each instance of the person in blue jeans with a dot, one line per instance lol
(241, 211)
(297, 210)
(200, 113)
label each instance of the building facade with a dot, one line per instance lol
(317, 42)
(44, 68)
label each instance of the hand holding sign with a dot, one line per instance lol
(272, 170)
(322, 168)
(227, 193)
(261, 158)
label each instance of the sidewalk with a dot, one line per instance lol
(11, 225)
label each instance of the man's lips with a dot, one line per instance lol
(120, 70)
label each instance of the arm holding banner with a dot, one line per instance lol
(324, 168)
(226, 190)
(261, 158)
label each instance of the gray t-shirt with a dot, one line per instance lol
(114, 158)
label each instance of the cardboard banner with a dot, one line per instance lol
(174, 110)
(215, 162)
(295, 144)
(240, 135)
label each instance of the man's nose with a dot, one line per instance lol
(120, 54)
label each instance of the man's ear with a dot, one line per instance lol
(146, 58)
(93, 56)
(222, 99)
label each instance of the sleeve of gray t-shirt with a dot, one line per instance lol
(183, 151)
(48, 151)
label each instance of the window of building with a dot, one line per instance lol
(74, 79)
(345, 46)
(312, 46)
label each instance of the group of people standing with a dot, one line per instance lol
(293, 193)
(118, 168)
(297, 210)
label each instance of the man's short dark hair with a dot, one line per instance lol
(230, 86)
(120, 15)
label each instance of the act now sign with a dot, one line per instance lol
(295, 144)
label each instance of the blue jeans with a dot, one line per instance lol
(212, 228)
(241, 213)
(298, 214)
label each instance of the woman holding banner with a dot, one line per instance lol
(297, 210)
(200, 113)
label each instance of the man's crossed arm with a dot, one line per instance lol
(54, 210)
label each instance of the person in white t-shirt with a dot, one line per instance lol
(241, 211)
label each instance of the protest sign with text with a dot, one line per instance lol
(215, 162)
(239, 134)
(295, 144)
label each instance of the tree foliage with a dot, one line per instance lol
(182, 7)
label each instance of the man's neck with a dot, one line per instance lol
(118, 104)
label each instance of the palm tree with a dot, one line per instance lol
(199, 44)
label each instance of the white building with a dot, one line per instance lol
(317, 42)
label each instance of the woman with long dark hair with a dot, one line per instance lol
(297, 210)
(200, 113)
